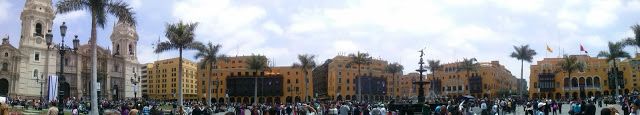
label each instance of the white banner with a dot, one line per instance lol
(53, 87)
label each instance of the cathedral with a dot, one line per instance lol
(24, 69)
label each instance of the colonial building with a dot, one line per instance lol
(34, 59)
(232, 81)
(162, 81)
(549, 81)
(410, 90)
(336, 80)
(489, 80)
(9, 68)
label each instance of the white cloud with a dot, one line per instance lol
(4, 7)
(273, 27)
(136, 4)
(530, 6)
(566, 25)
(602, 13)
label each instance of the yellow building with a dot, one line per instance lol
(162, 81)
(489, 80)
(336, 80)
(232, 81)
(410, 90)
(547, 80)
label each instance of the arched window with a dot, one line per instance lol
(39, 29)
(566, 82)
(35, 73)
(589, 82)
(117, 49)
(5, 66)
(130, 49)
(574, 82)
(6, 54)
(581, 81)
(596, 82)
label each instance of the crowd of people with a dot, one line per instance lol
(628, 105)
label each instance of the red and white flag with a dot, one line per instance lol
(582, 49)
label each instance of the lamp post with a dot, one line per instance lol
(41, 83)
(62, 49)
(135, 85)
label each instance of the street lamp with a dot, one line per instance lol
(62, 49)
(41, 83)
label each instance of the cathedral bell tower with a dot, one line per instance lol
(124, 39)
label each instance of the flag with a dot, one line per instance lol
(549, 49)
(582, 49)
(53, 87)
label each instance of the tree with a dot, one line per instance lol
(210, 55)
(523, 53)
(360, 59)
(307, 62)
(635, 41)
(433, 66)
(99, 9)
(570, 64)
(180, 37)
(468, 65)
(394, 68)
(257, 63)
(616, 51)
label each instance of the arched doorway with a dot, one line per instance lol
(347, 97)
(232, 100)
(558, 96)
(606, 93)
(269, 100)
(298, 99)
(221, 100)
(4, 87)
(289, 99)
(246, 100)
(589, 94)
(213, 100)
(277, 100)
(67, 90)
(260, 99)
(575, 94)
(598, 94)
(339, 98)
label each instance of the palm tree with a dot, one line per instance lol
(180, 37)
(635, 41)
(570, 64)
(468, 65)
(256, 63)
(99, 9)
(360, 59)
(394, 68)
(210, 55)
(523, 53)
(307, 62)
(616, 51)
(434, 65)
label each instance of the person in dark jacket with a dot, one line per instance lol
(590, 109)
(197, 110)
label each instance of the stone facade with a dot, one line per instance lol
(33, 60)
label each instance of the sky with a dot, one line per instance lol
(393, 30)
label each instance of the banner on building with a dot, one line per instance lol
(53, 87)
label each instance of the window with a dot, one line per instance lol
(6, 54)
(36, 56)
(5, 66)
(35, 73)
(39, 29)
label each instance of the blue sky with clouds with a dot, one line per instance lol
(390, 29)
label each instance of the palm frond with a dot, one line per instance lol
(257, 62)
(165, 46)
(523, 53)
(122, 11)
(195, 45)
(180, 33)
(66, 6)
